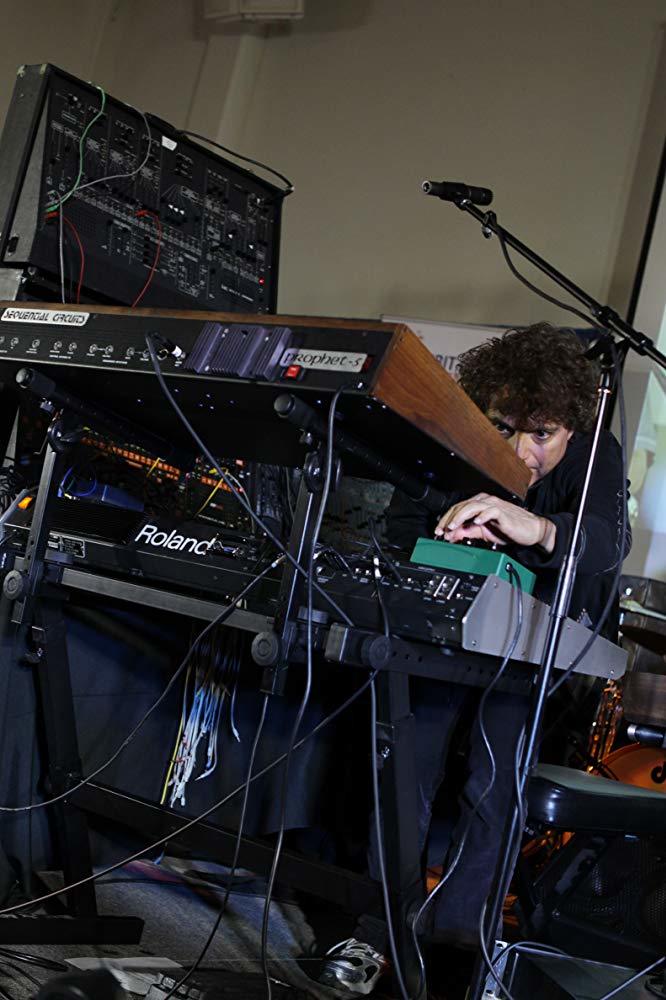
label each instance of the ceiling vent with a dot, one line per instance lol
(229, 11)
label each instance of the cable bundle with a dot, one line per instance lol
(210, 683)
(11, 483)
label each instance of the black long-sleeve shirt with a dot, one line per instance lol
(556, 497)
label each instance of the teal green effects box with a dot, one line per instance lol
(470, 559)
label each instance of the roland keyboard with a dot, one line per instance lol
(446, 608)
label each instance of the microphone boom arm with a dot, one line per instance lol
(603, 314)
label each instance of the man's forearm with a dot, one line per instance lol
(547, 543)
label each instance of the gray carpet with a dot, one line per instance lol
(179, 911)
(178, 919)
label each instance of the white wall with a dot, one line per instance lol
(542, 100)
(67, 32)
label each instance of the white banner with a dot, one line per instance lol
(447, 340)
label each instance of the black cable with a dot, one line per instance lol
(381, 552)
(588, 761)
(228, 482)
(539, 291)
(486, 791)
(632, 979)
(620, 394)
(520, 796)
(29, 878)
(531, 948)
(521, 805)
(487, 961)
(308, 686)
(380, 845)
(567, 673)
(218, 620)
(522, 815)
(287, 489)
(379, 837)
(38, 960)
(23, 972)
(246, 159)
(578, 750)
(612, 596)
(337, 561)
(11, 482)
(380, 599)
(197, 819)
(545, 951)
(241, 826)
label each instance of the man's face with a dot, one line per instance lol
(540, 445)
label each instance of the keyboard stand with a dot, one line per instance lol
(41, 642)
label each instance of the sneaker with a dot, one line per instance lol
(352, 968)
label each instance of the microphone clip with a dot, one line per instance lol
(488, 225)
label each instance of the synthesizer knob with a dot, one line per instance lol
(376, 651)
(14, 585)
(266, 649)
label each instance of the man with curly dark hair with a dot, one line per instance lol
(540, 391)
(533, 373)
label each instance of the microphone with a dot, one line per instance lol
(649, 736)
(457, 191)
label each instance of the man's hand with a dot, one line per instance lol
(493, 520)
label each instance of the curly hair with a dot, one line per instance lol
(534, 375)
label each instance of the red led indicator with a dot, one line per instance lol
(262, 281)
(293, 371)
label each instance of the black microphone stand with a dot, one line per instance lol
(604, 316)
(607, 318)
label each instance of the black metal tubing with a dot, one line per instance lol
(42, 386)
(18, 137)
(59, 929)
(345, 888)
(284, 625)
(608, 319)
(155, 597)
(38, 612)
(413, 658)
(64, 764)
(510, 844)
(36, 544)
(306, 418)
(604, 315)
(399, 810)
(647, 238)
